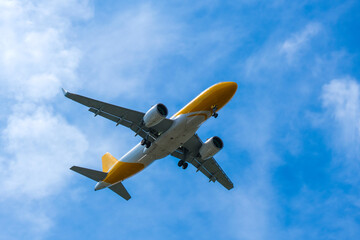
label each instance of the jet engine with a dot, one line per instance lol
(211, 147)
(155, 115)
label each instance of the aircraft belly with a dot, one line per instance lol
(185, 127)
(173, 143)
(140, 157)
(194, 120)
(137, 155)
(171, 139)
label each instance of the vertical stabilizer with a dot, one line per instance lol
(108, 161)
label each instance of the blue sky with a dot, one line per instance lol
(291, 132)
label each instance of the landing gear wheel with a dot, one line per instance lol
(148, 144)
(185, 165)
(181, 163)
(143, 142)
(214, 114)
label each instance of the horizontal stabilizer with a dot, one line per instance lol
(120, 190)
(92, 174)
(64, 92)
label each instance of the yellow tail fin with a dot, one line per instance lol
(108, 161)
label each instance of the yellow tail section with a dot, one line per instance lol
(108, 161)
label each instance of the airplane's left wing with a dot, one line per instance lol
(123, 116)
(209, 167)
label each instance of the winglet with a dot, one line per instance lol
(64, 92)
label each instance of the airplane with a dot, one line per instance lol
(161, 136)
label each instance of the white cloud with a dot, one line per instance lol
(291, 46)
(255, 196)
(32, 49)
(133, 52)
(341, 100)
(135, 39)
(36, 60)
(278, 53)
(38, 146)
(41, 147)
(39, 218)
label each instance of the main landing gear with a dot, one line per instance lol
(145, 142)
(183, 164)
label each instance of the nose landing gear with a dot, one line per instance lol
(214, 114)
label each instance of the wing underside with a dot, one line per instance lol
(122, 116)
(209, 167)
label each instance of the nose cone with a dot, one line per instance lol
(231, 88)
(217, 95)
(223, 92)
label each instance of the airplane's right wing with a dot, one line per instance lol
(209, 167)
(123, 116)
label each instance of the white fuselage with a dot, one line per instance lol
(183, 128)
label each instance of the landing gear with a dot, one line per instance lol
(146, 143)
(183, 164)
(214, 114)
